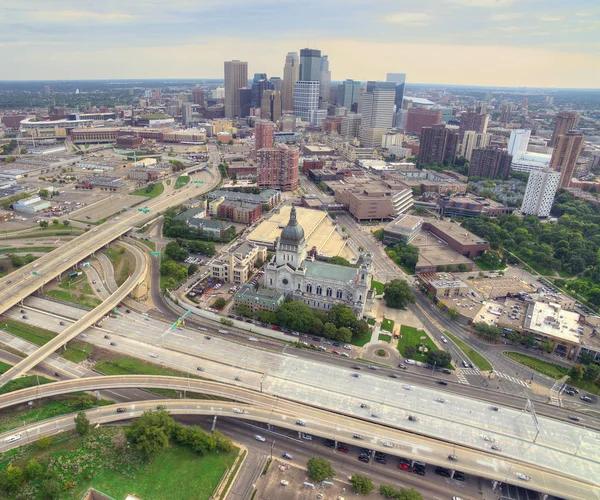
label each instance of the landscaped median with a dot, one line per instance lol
(411, 337)
(539, 365)
(478, 360)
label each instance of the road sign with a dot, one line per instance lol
(198, 182)
(154, 253)
(34, 273)
(145, 210)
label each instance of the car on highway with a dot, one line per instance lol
(207, 337)
(494, 408)
(152, 355)
(440, 400)
(107, 336)
(355, 375)
(161, 407)
(252, 339)
(345, 354)
(446, 371)
(258, 437)
(373, 367)
(346, 346)
(442, 382)
(496, 447)
(489, 439)
(114, 344)
(200, 369)
(453, 457)
(402, 365)
(586, 399)
(357, 436)
(238, 379)
(287, 456)
(25, 317)
(375, 415)
(56, 374)
(356, 367)
(308, 437)
(387, 444)
(127, 311)
(363, 405)
(301, 423)
(412, 418)
(575, 418)
(12, 438)
(238, 410)
(393, 375)
(61, 323)
(522, 477)
(407, 387)
(121, 410)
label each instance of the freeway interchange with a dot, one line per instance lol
(282, 386)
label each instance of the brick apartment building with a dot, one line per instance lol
(278, 168)
(238, 211)
(417, 118)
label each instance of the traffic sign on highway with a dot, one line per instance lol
(34, 273)
(198, 182)
(154, 253)
(145, 210)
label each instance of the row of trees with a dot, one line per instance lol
(404, 255)
(173, 228)
(339, 323)
(590, 372)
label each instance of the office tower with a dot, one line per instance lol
(236, 77)
(275, 83)
(518, 142)
(524, 103)
(350, 125)
(417, 118)
(471, 141)
(278, 168)
(325, 80)
(400, 118)
(245, 102)
(349, 95)
(473, 121)
(564, 157)
(263, 134)
(198, 97)
(438, 145)
(291, 74)
(377, 112)
(490, 162)
(186, 113)
(540, 191)
(565, 121)
(506, 114)
(317, 116)
(260, 83)
(306, 99)
(481, 108)
(270, 106)
(399, 79)
(310, 65)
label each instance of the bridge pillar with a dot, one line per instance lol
(299, 435)
(97, 394)
(269, 427)
(214, 424)
(452, 471)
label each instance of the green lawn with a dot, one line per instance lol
(385, 338)
(157, 190)
(76, 350)
(409, 336)
(82, 300)
(586, 385)
(479, 361)
(176, 473)
(27, 249)
(539, 365)
(21, 382)
(486, 267)
(182, 181)
(10, 419)
(377, 286)
(536, 267)
(150, 244)
(371, 322)
(362, 340)
(387, 325)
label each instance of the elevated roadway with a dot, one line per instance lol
(284, 414)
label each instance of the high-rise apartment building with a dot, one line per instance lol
(350, 126)
(565, 121)
(324, 94)
(291, 74)
(473, 121)
(264, 131)
(506, 113)
(310, 65)
(236, 77)
(539, 193)
(278, 168)
(377, 112)
(471, 141)
(399, 79)
(518, 142)
(198, 97)
(348, 95)
(306, 99)
(417, 118)
(270, 106)
(438, 145)
(565, 154)
(186, 113)
(245, 102)
(490, 162)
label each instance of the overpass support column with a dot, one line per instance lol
(452, 471)
(214, 424)
(97, 393)
(269, 427)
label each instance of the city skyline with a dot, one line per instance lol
(438, 44)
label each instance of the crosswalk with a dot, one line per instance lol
(470, 371)
(461, 378)
(555, 401)
(512, 379)
(462, 372)
(558, 387)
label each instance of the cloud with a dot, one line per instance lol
(551, 18)
(507, 17)
(485, 4)
(410, 18)
(83, 16)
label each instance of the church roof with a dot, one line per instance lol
(293, 233)
(316, 269)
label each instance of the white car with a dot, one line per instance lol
(238, 410)
(440, 400)
(10, 439)
(522, 477)
(489, 439)
(387, 444)
(348, 347)
(308, 437)
(258, 437)
(152, 355)
(345, 354)
(408, 387)
(252, 339)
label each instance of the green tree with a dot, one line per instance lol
(150, 433)
(174, 251)
(342, 316)
(266, 208)
(149, 188)
(488, 331)
(226, 322)
(397, 294)
(439, 358)
(453, 313)
(319, 469)
(55, 222)
(51, 489)
(513, 336)
(441, 268)
(592, 372)
(82, 424)
(528, 340)
(43, 224)
(192, 268)
(547, 346)
(17, 260)
(576, 372)
(10, 159)
(44, 193)
(343, 334)
(12, 478)
(219, 303)
(410, 351)
(463, 268)
(222, 443)
(33, 469)
(66, 222)
(339, 261)
(44, 442)
(361, 484)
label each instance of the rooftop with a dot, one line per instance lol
(315, 269)
(404, 221)
(456, 232)
(553, 321)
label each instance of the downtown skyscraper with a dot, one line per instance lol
(377, 112)
(291, 74)
(236, 78)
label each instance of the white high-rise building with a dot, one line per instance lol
(350, 125)
(518, 142)
(377, 112)
(472, 140)
(540, 192)
(324, 92)
(291, 74)
(306, 99)
(186, 113)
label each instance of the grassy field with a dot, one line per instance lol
(387, 325)
(535, 266)
(21, 382)
(12, 419)
(157, 190)
(362, 340)
(76, 350)
(409, 336)
(182, 180)
(377, 286)
(72, 298)
(478, 360)
(371, 322)
(26, 249)
(102, 461)
(539, 365)
(150, 244)
(385, 338)
(486, 267)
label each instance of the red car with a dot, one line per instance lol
(274, 327)
(405, 467)
(343, 449)
(335, 352)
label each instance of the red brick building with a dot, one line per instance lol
(238, 211)
(278, 168)
(264, 132)
(417, 118)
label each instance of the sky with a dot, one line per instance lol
(533, 43)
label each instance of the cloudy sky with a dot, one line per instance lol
(536, 43)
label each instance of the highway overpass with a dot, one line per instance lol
(284, 414)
